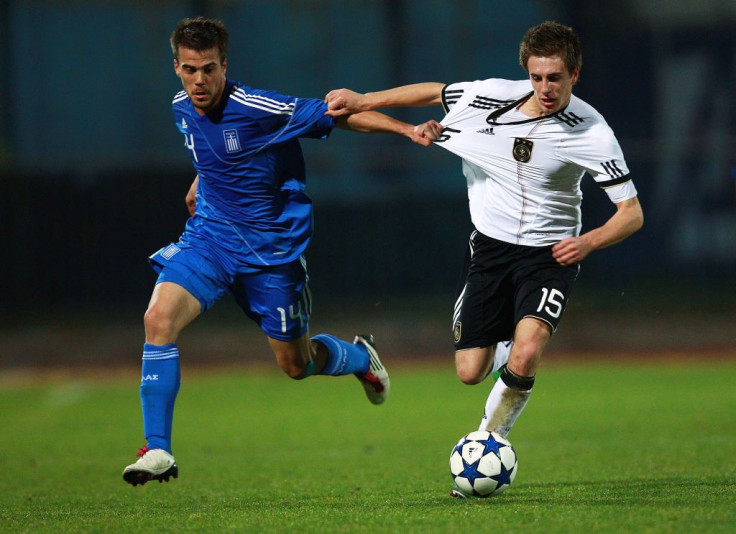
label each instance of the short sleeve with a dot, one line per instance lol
(285, 117)
(309, 119)
(599, 153)
(451, 93)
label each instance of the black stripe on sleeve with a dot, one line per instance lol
(614, 181)
(449, 98)
(612, 169)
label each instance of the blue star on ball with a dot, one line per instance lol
(504, 477)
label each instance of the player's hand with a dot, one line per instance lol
(191, 198)
(426, 133)
(571, 250)
(345, 102)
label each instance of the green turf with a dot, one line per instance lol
(602, 448)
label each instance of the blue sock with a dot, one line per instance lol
(343, 358)
(160, 378)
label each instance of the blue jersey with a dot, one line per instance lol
(251, 199)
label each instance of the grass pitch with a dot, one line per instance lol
(601, 447)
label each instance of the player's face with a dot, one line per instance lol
(552, 83)
(202, 75)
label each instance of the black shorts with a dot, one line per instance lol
(503, 283)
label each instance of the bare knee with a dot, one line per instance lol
(170, 310)
(524, 358)
(473, 366)
(159, 326)
(469, 377)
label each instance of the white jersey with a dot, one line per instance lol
(523, 173)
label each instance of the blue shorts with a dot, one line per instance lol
(276, 297)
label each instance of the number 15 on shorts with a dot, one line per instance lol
(552, 303)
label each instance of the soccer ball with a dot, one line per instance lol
(482, 464)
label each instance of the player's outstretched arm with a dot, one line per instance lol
(341, 102)
(374, 122)
(628, 219)
(191, 198)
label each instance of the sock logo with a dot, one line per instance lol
(149, 377)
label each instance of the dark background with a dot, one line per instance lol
(93, 173)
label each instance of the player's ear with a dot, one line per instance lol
(224, 66)
(575, 75)
(176, 67)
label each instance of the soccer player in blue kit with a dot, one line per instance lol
(251, 223)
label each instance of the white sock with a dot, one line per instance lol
(503, 407)
(501, 355)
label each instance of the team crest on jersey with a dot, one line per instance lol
(457, 332)
(522, 150)
(232, 143)
(170, 251)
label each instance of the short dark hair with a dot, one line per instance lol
(551, 39)
(200, 33)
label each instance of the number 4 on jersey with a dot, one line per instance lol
(189, 143)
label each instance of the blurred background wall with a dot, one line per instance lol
(93, 172)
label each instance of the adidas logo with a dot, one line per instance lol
(487, 131)
(184, 124)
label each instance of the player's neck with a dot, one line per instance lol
(531, 108)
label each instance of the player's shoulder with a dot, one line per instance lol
(495, 85)
(255, 100)
(511, 88)
(583, 116)
(499, 90)
(577, 104)
(180, 99)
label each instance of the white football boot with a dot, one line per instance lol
(375, 381)
(153, 464)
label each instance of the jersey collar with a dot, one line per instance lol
(495, 114)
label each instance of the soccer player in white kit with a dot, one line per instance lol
(525, 146)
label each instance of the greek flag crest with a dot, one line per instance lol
(232, 143)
